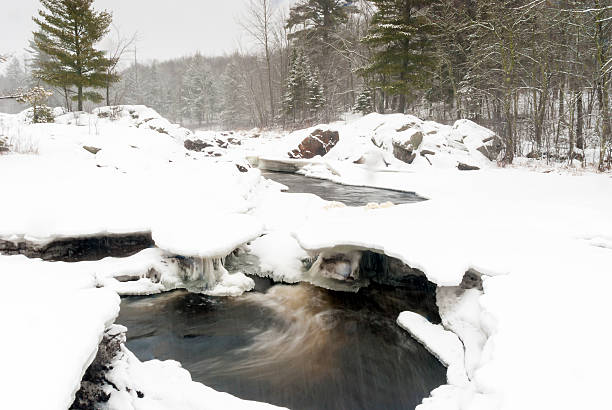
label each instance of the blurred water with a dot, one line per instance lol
(296, 346)
(349, 195)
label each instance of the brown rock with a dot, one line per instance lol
(196, 145)
(491, 148)
(92, 150)
(465, 167)
(404, 152)
(318, 143)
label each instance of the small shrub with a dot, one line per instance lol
(36, 98)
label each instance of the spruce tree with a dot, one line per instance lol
(304, 94)
(365, 102)
(67, 32)
(401, 37)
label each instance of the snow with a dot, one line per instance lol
(280, 256)
(165, 385)
(534, 338)
(442, 343)
(53, 329)
(532, 234)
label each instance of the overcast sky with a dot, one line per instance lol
(165, 28)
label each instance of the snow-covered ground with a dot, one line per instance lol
(534, 337)
(88, 175)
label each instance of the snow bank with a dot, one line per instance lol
(164, 385)
(94, 176)
(531, 234)
(442, 343)
(55, 327)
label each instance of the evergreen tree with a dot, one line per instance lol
(235, 105)
(67, 32)
(401, 37)
(304, 96)
(197, 90)
(15, 74)
(365, 102)
(153, 91)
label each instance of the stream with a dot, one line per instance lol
(297, 346)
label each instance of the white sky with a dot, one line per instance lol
(165, 28)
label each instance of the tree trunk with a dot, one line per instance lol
(80, 98)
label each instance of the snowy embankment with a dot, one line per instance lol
(535, 336)
(92, 176)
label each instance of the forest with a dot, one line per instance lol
(538, 73)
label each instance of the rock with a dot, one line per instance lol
(534, 155)
(92, 393)
(196, 145)
(241, 168)
(491, 147)
(465, 167)
(92, 150)
(416, 139)
(80, 249)
(318, 143)
(407, 126)
(427, 152)
(404, 152)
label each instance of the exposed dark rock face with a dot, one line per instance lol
(404, 152)
(492, 147)
(427, 152)
(395, 274)
(386, 270)
(465, 167)
(80, 249)
(197, 145)
(3, 145)
(318, 143)
(91, 392)
(92, 150)
(471, 280)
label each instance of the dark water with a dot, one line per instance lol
(349, 195)
(296, 346)
(291, 345)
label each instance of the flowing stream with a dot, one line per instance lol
(296, 346)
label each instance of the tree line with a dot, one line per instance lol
(538, 72)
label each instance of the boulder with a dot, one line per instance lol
(318, 143)
(465, 167)
(492, 147)
(427, 152)
(196, 145)
(404, 152)
(92, 150)
(416, 139)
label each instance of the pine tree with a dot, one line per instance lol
(304, 96)
(235, 105)
(67, 32)
(197, 88)
(153, 90)
(401, 36)
(15, 74)
(365, 102)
